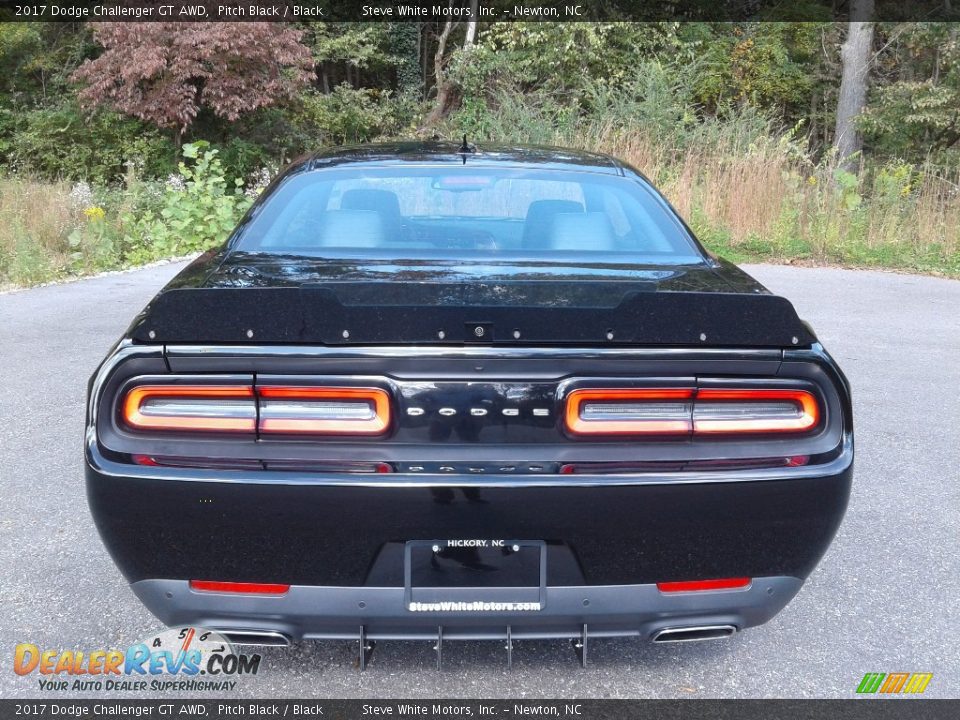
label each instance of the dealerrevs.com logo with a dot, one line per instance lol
(186, 659)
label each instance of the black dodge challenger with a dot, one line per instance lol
(440, 392)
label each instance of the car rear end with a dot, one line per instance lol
(427, 392)
(308, 492)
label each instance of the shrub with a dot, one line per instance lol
(61, 142)
(198, 210)
(348, 115)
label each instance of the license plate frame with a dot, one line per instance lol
(520, 595)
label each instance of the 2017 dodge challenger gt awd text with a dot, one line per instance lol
(440, 392)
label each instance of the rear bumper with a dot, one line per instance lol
(338, 612)
(338, 541)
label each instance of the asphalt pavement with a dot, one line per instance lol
(884, 598)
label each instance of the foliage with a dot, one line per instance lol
(164, 73)
(347, 115)
(560, 56)
(762, 63)
(61, 141)
(362, 45)
(38, 58)
(404, 39)
(199, 209)
(733, 120)
(913, 113)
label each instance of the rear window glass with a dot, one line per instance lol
(467, 213)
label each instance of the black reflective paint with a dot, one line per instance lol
(314, 535)
(319, 315)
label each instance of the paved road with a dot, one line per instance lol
(885, 597)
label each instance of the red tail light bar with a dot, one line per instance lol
(704, 585)
(268, 410)
(240, 588)
(686, 411)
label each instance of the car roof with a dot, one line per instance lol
(481, 155)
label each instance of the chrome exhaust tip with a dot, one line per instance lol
(693, 633)
(256, 637)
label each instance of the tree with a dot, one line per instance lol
(444, 87)
(164, 73)
(405, 40)
(472, 24)
(353, 46)
(914, 110)
(855, 58)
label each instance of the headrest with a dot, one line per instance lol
(540, 213)
(352, 228)
(591, 231)
(382, 201)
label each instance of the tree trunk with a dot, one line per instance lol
(444, 91)
(472, 24)
(855, 57)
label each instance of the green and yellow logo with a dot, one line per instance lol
(894, 683)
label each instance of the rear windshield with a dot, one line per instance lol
(468, 213)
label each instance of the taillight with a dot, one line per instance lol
(661, 411)
(207, 408)
(241, 588)
(324, 410)
(686, 411)
(719, 410)
(704, 585)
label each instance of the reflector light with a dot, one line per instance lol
(252, 464)
(239, 587)
(210, 408)
(330, 467)
(704, 585)
(199, 462)
(661, 411)
(324, 410)
(625, 468)
(719, 410)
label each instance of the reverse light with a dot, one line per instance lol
(240, 588)
(209, 408)
(704, 585)
(323, 410)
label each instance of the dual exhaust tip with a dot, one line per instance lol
(690, 633)
(694, 633)
(256, 637)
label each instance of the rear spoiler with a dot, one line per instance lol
(315, 315)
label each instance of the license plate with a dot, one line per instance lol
(475, 575)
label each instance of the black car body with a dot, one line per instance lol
(467, 415)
